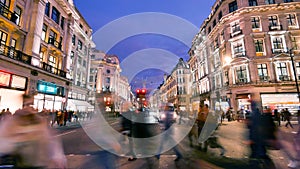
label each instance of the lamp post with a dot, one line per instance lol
(295, 73)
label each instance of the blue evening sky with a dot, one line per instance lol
(98, 14)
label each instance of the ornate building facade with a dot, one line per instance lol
(34, 51)
(252, 52)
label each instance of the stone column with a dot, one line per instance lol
(68, 45)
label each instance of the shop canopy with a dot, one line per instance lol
(79, 105)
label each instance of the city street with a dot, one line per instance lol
(82, 153)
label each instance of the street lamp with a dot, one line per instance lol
(295, 73)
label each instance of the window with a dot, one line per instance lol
(288, 1)
(17, 14)
(222, 38)
(255, 22)
(294, 43)
(52, 61)
(270, 1)
(273, 20)
(259, 45)
(72, 57)
(282, 71)
(252, 2)
(220, 15)
(298, 69)
(108, 71)
(209, 29)
(235, 27)
(233, 6)
(5, 3)
(73, 40)
(44, 32)
(62, 22)
(238, 49)
(79, 45)
(84, 63)
(262, 72)
(13, 43)
(291, 20)
(214, 23)
(277, 43)
(42, 56)
(55, 15)
(52, 36)
(107, 80)
(3, 38)
(91, 78)
(47, 9)
(241, 73)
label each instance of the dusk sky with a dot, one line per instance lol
(99, 14)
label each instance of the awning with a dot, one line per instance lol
(79, 105)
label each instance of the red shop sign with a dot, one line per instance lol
(4, 79)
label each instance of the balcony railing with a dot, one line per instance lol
(53, 70)
(14, 54)
(5, 12)
(55, 43)
(277, 51)
(275, 27)
(236, 33)
(284, 78)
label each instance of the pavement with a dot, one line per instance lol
(231, 135)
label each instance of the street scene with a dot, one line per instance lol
(149, 84)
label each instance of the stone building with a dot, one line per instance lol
(252, 52)
(35, 51)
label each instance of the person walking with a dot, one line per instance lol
(27, 136)
(127, 128)
(277, 117)
(288, 116)
(201, 119)
(168, 122)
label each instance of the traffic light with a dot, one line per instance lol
(141, 93)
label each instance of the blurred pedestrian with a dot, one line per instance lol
(66, 116)
(26, 137)
(201, 119)
(168, 122)
(277, 116)
(127, 127)
(288, 116)
(262, 135)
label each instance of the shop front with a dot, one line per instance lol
(12, 89)
(50, 96)
(79, 106)
(280, 101)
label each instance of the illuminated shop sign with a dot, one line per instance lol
(18, 82)
(47, 87)
(12, 81)
(4, 79)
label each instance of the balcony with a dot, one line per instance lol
(53, 70)
(275, 27)
(54, 43)
(24, 58)
(284, 78)
(9, 15)
(236, 33)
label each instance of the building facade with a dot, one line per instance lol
(252, 48)
(34, 54)
(80, 61)
(175, 88)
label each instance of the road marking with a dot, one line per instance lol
(62, 134)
